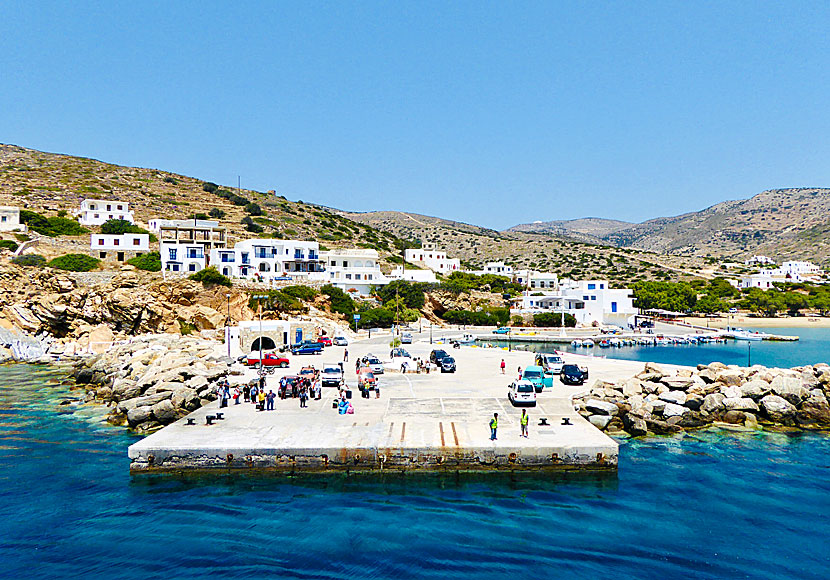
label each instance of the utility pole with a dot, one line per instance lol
(228, 337)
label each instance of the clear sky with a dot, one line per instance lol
(493, 114)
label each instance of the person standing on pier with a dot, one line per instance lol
(523, 422)
(494, 425)
(346, 355)
(503, 366)
(270, 398)
(520, 372)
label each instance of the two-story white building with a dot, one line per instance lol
(94, 212)
(119, 247)
(10, 219)
(495, 268)
(412, 275)
(533, 280)
(186, 245)
(588, 301)
(353, 268)
(759, 261)
(267, 259)
(435, 260)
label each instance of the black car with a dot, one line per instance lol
(447, 364)
(573, 375)
(437, 355)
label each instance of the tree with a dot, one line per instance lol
(216, 213)
(211, 276)
(74, 263)
(794, 302)
(677, 296)
(339, 300)
(710, 304)
(118, 227)
(548, 319)
(210, 187)
(721, 288)
(253, 209)
(411, 294)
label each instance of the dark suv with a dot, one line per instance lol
(573, 375)
(437, 355)
(447, 364)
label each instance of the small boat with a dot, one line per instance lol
(750, 336)
(588, 343)
(467, 338)
(576, 343)
(604, 343)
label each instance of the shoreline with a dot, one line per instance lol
(753, 322)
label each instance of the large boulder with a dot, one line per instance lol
(789, 388)
(597, 407)
(730, 377)
(164, 412)
(708, 375)
(778, 409)
(635, 424)
(600, 421)
(138, 415)
(678, 383)
(814, 412)
(694, 402)
(675, 397)
(755, 388)
(672, 410)
(631, 387)
(654, 368)
(713, 402)
(740, 404)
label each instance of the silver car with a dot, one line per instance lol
(522, 393)
(406, 338)
(340, 341)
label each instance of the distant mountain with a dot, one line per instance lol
(781, 223)
(592, 227)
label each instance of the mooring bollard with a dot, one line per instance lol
(543, 422)
(191, 421)
(220, 416)
(209, 419)
(566, 421)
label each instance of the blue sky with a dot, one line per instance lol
(493, 114)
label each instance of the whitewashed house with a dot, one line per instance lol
(186, 245)
(588, 301)
(495, 268)
(119, 247)
(435, 260)
(412, 275)
(94, 212)
(268, 259)
(762, 281)
(10, 219)
(349, 269)
(534, 280)
(759, 261)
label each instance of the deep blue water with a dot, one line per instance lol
(704, 506)
(813, 347)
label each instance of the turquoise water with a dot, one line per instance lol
(813, 347)
(705, 506)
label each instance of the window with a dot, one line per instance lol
(102, 255)
(345, 264)
(593, 297)
(119, 207)
(96, 216)
(175, 267)
(116, 242)
(585, 298)
(172, 254)
(100, 241)
(109, 207)
(4, 218)
(602, 286)
(191, 267)
(357, 276)
(592, 286)
(613, 307)
(348, 276)
(368, 276)
(92, 206)
(136, 242)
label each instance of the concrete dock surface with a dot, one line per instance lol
(421, 422)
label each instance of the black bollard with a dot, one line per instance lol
(209, 419)
(543, 422)
(566, 421)
(191, 421)
(220, 416)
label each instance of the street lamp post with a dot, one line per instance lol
(259, 298)
(430, 332)
(509, 339)
(228, 335)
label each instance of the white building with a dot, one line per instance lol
(495, 268)
(352, 269)
(95, 212)
(268, 259)
(759, 261)
(803, 269)
(435, 260)
(762, 281)
(588, 301)
(119, 247)
(186, 245)
(411, 275)
(155, 224)
(10, 219)
(533, 280)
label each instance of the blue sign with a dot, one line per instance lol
(357, 316)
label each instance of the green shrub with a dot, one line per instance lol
(150, 262)
(199, 216)
(35, 260)
(278, 300)
(216, 213)
(211, 275)
(253, 209)
(74, 263)
(548, 319)
(186, 327)
(305, 293)
(53, 226)
(169, 179)
(380, 317)
(411, 293)
(210, 187)
(22, 237)
(118, 227)
(9, 245)
(340, 301)
(255, 228)
(488, 317)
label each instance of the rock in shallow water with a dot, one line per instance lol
(778, 409)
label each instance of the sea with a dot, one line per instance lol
(812, 347)
(708, 504)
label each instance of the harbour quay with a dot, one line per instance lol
(436, 422)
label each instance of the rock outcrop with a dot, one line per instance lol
(755, 397)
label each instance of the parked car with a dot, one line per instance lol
(406, 338)
(269, 359)
(373, 363)
(332, 376)
(289, 386)
(539, 377)
(399, 353)
(366, 379)
(307, 348)
(550, 362)
(447, 364)
(436, 355)
(521, 393)
(573, 375)
(340, 341)
(309, 373)
(325, 341)
(502, 330)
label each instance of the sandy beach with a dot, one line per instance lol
(753, 322)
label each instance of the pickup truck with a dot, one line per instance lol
(269, 359)
(307, 348)
(502, 330)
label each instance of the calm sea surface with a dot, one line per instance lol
(813, 347)
(704, 506)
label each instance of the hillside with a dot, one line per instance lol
(780, 223)
(49, 182)
(589, 229)
(566, 256)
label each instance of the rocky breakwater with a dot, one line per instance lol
(658, 402)
(153, 380)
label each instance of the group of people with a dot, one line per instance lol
(523, 423)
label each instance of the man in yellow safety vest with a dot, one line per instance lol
(494, 424)
(523, 423)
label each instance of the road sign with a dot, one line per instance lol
(357, 316)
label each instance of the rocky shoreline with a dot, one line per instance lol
(655, 402)
(153, 380)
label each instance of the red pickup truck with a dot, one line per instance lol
(269, 359)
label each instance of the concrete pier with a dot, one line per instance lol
(421, 422)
